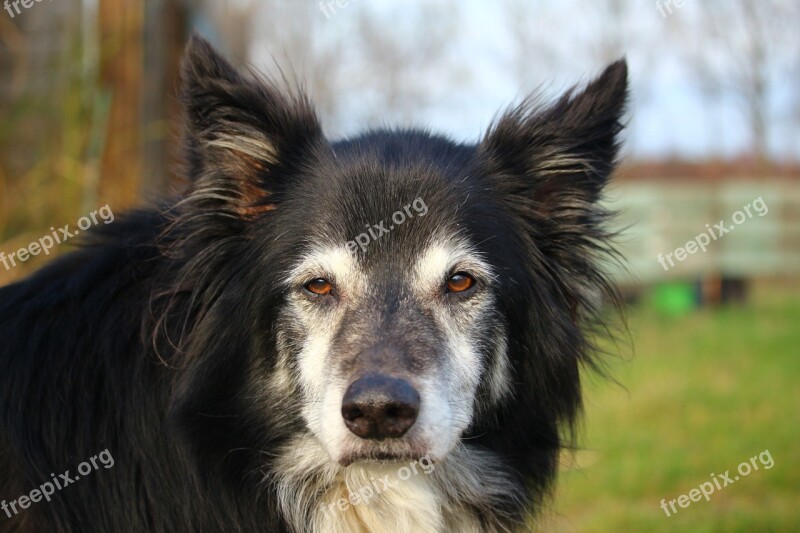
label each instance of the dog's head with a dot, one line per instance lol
(394, 294)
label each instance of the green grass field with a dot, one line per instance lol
(701, 394)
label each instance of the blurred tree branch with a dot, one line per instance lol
(740, 49)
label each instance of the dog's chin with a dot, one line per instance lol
(388, 451)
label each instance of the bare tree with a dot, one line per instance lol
(576, 35)
(361, 61)
(402, 63)
(738, 50)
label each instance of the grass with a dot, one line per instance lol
(702, 393)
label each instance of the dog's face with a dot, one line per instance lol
(391, 322)
(420, 291)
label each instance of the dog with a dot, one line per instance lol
(382, 333)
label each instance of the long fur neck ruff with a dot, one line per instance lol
(468, 492)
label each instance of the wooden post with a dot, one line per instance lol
(121, 69)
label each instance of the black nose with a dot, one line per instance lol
(380, 407)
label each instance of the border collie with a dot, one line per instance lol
(383, 333)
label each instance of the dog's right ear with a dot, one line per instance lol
(244, 135)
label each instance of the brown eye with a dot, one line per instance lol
(460, 282)
(319, 286)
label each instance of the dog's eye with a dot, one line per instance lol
(460, 282)
(319, 286)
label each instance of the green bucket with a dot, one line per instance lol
(675, 299)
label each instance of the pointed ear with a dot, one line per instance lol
(243, 135)
(549, 157)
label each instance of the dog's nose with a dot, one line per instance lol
(380, 407)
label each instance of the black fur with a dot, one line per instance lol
(150, 340)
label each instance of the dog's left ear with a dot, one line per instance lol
(549, 158)
(244, 136)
